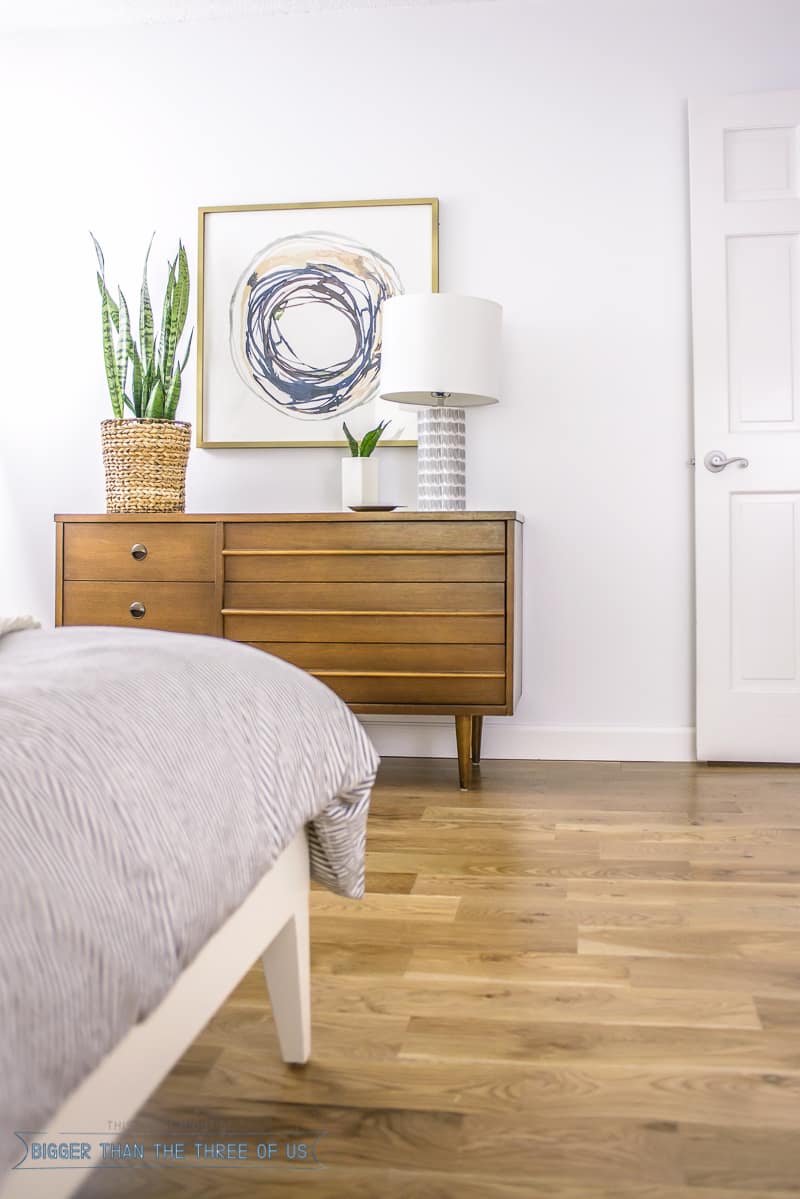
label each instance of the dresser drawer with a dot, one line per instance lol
(422, 629)
(463, 690)
(171, 552)
(318, 656)
(391, 599)
(403, 535)
(175, 607)
(370, 566)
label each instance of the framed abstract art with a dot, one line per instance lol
(289, 317)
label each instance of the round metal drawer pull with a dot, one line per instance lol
(137, 610)
(138, 551)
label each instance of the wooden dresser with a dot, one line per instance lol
(399, 613)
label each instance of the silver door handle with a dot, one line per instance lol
(716, 461)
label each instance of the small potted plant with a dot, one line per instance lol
(145, 454)
(360, 470)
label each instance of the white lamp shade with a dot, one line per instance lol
(441, 350)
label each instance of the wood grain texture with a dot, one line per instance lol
(503, 1019)
(440, 629)
(175, 552)
(59, 589)
(317, 655)
(174, 607)
(401, 534)
(460, 689)
(440, 566)
(464, 750)
(477, 739)
(361, 596)
(282, 518)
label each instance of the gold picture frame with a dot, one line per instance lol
(203, 216)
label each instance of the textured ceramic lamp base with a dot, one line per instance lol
(441, 460)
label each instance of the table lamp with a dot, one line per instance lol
(441, 352)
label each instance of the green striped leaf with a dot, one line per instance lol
(110, 362)
(166, 319)
(124, 342)
(178, 304)
(146, 325)
(138, 380)
(155, 405)
(180, 307)
(112, 307)
(173, 395)
(188, 348)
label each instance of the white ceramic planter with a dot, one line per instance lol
(359, 482)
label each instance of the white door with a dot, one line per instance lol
(745, 217)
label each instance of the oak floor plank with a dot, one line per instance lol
(778, 979)
(383, 906)
(753, 944)
(647, 890)
(497, 965)
(415, 995)
(549, 936)
(573, 1044)
(558, 864)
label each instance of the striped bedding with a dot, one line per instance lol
(147, 781)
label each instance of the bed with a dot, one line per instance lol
(163, 799)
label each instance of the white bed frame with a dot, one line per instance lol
(274, 914)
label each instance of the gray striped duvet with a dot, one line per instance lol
(147, 782)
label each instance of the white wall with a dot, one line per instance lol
(554, 134)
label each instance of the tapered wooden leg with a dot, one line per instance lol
(477, 734)
(286, 967)
(464, 742)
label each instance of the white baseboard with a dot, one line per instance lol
(433, 737)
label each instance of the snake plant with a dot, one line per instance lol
(151, 366)
(364, 448)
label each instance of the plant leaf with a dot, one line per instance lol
(124, 342)
(188, 348)
(112, 306)
(166, 320)
(371, 439)
(110, 362)
(137, 381)
(351, 441)
(146, 326)
(155, 405)
(173, 395)
(180, 307)
(101, 260)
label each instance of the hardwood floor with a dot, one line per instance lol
(578, 981)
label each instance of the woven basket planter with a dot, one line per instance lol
(145, 464)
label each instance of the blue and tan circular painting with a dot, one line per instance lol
(305, 324)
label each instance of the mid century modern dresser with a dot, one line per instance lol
(413, 613)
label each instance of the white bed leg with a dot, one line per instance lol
(286, 967)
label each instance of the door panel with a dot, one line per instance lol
(764, 575)
(762, 354)
(745, 215)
